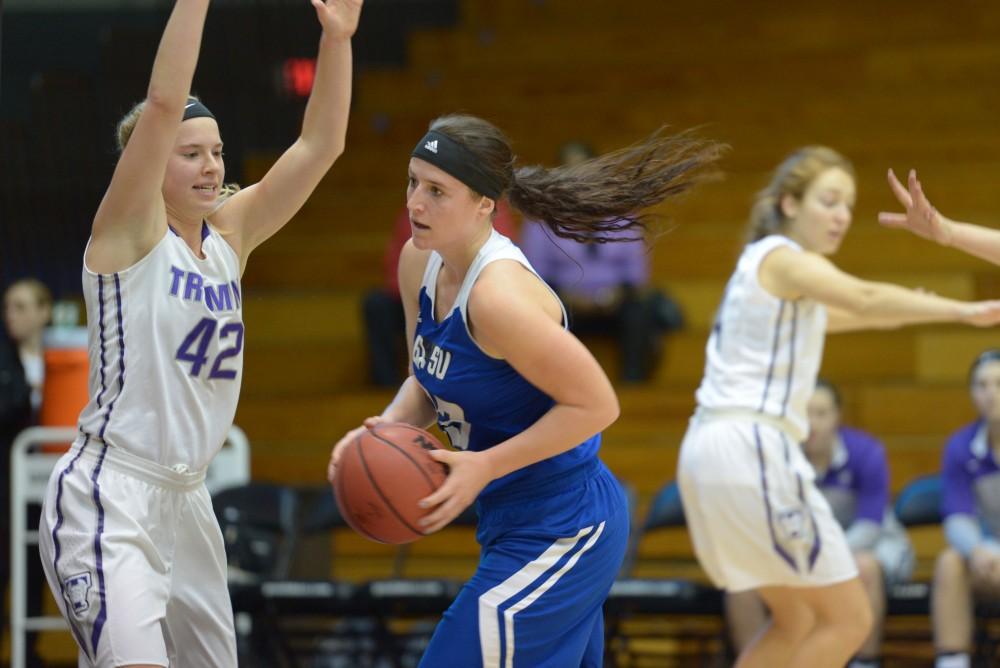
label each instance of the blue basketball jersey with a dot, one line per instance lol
(481, 400)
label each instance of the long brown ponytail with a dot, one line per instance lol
(599, 198)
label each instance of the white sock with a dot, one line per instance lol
(864, 663)
(953, 660)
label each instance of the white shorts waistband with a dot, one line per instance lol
(95, 450)
(745, 414)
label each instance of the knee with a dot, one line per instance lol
(869, 569)
(853, 617)
(950, 569)
(793, 622)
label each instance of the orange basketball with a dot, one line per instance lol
(380, 477)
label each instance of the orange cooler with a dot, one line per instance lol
(64, 392)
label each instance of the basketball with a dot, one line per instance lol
(381, 476)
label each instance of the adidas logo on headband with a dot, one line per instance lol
(449, 155)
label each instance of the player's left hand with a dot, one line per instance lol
(469, 474)
(339, 18)
(921, 217)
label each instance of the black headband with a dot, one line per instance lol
(447, 154)
(195, 109)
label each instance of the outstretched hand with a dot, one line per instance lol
(921, 217)
(339, 18)
(983, 314)
(468, 474)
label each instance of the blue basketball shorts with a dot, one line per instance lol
(548, 560)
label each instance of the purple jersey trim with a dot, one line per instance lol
(55, 540)
(774, 355)
(100, 325)
(121, 355)
(102, 615)
(817, 539)
(205, 233)
(791, 359)
(767, 502)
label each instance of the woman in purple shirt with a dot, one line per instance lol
(969, 568)
(605, 286)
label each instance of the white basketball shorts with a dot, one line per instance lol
(135, 559)
(753, 511)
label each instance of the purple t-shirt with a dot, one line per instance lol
(857, 482)
(969, 476)
(584, 269)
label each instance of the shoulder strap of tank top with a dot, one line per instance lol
(755, 253)
(429, 281)
(498, 247)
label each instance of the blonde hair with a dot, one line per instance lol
(124, 132)
(792, 177)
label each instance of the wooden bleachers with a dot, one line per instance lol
(918, 95)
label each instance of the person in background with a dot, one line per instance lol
(27, 309)
(605, 286)
(969, 568)
(853, 475)
(382, 308)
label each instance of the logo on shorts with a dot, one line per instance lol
(76, 590)
(793, 524)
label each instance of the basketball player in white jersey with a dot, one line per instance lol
(924, 220)
(756, 518)
(129, 540)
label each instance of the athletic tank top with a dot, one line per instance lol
(481, 400)
(166, 352)
(764, 352)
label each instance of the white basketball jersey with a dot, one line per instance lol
(166, 352)
(764, 352)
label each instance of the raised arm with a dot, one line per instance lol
(924, 220)
(858, 304)
(132, 216)
(255, 213)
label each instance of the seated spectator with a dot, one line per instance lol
(27, 308)
(969, 568)
(605, 287)
(852, 472)
(383, 308)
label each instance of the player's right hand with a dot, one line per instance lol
(368, 423)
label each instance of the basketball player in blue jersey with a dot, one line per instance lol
(129, 540)
(522, 401)
(756, 518)
(853, 475)
(968, 570)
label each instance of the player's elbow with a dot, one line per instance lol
(162, 101)
(323, 150)
(607, 409)
(863, 301)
